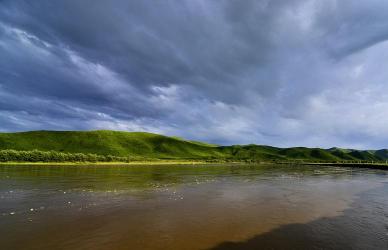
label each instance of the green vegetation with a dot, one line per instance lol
(134, 144)
(10, 155)
(109, 146)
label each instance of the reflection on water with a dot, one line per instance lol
(192, 207)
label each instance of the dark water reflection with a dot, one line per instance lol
(193, 207)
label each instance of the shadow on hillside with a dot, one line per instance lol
(363, 226)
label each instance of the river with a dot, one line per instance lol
(193, 207)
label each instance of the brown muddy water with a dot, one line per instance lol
(193, 207)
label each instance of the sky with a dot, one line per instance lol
(282, 73)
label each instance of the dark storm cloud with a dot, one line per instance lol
(275, 72)
(351, 26)
(161, 42)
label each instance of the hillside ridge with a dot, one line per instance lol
(156, 146)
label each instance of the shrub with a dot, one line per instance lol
(53, 156)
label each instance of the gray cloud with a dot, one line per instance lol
(283, 73)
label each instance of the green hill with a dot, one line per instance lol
(104, 142)
(147, 145)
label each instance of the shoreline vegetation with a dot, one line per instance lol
(139, 148)
(36, 157)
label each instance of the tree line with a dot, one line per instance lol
(54, 156)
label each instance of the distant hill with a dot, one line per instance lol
(148, 145)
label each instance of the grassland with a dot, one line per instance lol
(140, 146)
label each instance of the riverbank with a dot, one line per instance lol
(117, 163)
(360, 165)
(383, 166)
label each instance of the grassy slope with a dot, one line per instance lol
(147, 145)
(107, 142)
